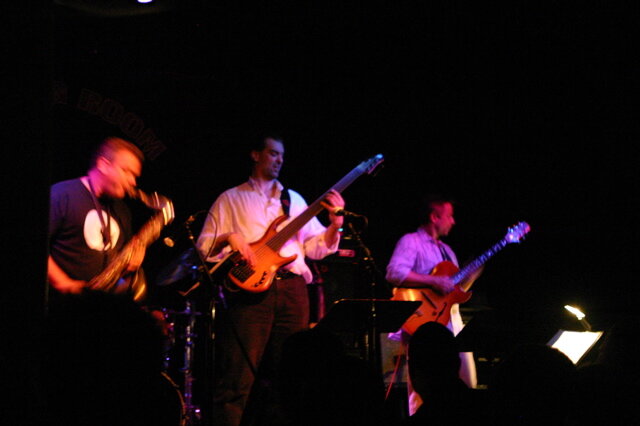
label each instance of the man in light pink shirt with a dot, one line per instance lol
(414, 257)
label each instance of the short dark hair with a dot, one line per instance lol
(112, 144)
(258, 142)
(429, 204)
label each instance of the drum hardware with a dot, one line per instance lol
(186, 274)
(166, 327)
(175, 398)
(192, 412)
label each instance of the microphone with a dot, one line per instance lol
(339, 211)
(170, 241)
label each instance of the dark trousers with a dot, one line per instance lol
(249, 336)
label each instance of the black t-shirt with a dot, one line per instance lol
(77, 242)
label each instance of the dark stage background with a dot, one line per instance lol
(522, 111)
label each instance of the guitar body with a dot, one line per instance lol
(260, 277)
(435, 306)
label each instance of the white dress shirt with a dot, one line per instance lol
(247, 210)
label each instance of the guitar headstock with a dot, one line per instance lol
(517, 232)
(371, 164)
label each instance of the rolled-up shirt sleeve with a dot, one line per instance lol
(218, 222)
(316, 246)
(311, 237)
(402, 261)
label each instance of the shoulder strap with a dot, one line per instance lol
(106, 228)
(285, 200)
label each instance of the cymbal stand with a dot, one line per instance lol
(372, 337)
(192, 412)
(216, 296)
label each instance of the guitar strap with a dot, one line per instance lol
(443, 251)
(285, 200)
(105, 228)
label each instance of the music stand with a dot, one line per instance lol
(574, 344)
(369, 317)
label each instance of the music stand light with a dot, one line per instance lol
(579, 315)
(575, 344)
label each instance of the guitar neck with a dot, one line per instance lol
(278, 240)
(473, 267)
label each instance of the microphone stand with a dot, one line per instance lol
(372, 337)
(192, 412)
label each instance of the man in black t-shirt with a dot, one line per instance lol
(88, 220)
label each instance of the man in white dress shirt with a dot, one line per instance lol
(250, 332)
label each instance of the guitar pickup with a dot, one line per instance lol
(242, 272)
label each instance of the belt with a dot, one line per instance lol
(284, 274)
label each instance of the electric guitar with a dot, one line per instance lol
(437, 306)
(268, 260)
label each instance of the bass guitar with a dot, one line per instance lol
(437, 306)
(268, 260)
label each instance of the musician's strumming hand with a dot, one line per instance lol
(61, 281)
(443, 285)
(239, 244)
(70, 286)
(440, 283)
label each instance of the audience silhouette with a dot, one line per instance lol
(434, 362)
(102, 364)
(322, 385)
(531, 386)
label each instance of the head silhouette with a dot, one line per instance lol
(433, 358)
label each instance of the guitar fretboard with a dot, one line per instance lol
(473, 266)
(278, 240)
